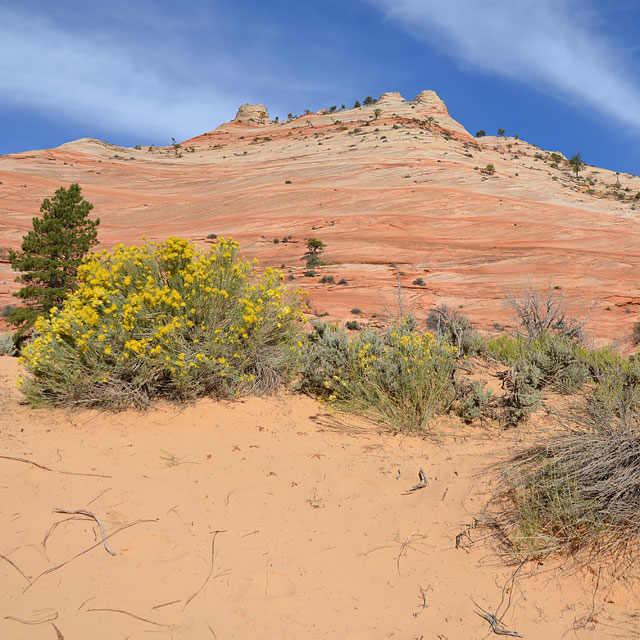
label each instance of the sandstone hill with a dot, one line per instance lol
(395, 189)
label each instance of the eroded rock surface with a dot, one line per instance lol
(394, 194)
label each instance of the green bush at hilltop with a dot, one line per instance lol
(164, 321)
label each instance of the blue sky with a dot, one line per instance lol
(563, 74)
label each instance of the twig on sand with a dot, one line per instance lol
(498, 630)
(421, 484)
(47, 617)
(403, 549)
(89, 514)
(133, 615)
(423, 605)
(81, 553)
(493, 619)
(465, 533)
(59, 635)
(204, 584)
(50, 530)
(41, 466)
(98, 496)
(165, 604)
(16, 567)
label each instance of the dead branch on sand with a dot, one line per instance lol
(47, 617)
(494, 619)
(165, 604)
(403, 550)
(497, 629)
(133, 615)
(421, 484)
(204, 584)
(16, 567)
(423, 605)
(466, 533)
(93, 546)
(40, 466)
(89, 514)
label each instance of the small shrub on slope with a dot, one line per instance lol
(164, 321)
(473, 401)
(454, 328)
(402, 378)
(6, 344)
(616, 395)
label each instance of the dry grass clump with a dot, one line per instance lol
(164, 321)
(577, 491)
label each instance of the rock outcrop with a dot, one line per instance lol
(395, 193)
(391, 97)
(253, 113)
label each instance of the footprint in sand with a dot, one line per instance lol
(277, 585)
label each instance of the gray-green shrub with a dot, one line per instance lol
(402, 378)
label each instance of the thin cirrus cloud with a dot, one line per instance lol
(552, 45)
(137, 75)
(95, 79)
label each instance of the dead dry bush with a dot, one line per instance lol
(545, 312)
(575, 491)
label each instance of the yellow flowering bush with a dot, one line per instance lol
(168, 321)
(402, 378)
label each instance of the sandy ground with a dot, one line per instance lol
(391, 198)
(316, 537)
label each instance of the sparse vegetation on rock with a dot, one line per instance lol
(577, 164)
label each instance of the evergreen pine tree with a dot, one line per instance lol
(50, 255)
(576, 163)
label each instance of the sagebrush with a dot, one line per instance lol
(402, 378)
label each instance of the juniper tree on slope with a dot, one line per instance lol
(50, 255)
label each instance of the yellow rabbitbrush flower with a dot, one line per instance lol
(178, 322)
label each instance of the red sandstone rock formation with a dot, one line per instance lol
(393, 195)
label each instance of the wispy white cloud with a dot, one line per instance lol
(98, 80)
(557, 46)
(134, 71)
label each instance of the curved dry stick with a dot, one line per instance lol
(16, 567)
(204, 584)
(93, 546)
(50, 531)
(133, 615)
(41, 466)
(49, 618)
(90, 514)
(498, 630)
(421, 485)
(166, 604)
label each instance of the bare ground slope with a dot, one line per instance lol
(317, 537)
